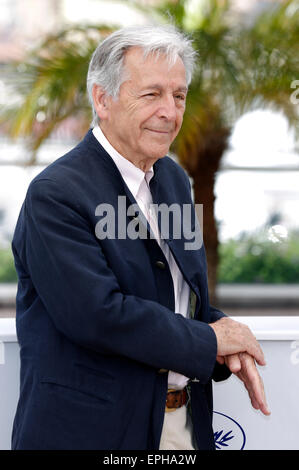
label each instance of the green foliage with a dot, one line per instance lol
(254, 258)
(7, 267)
(52, 81)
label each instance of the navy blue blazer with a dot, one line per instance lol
(95, 318)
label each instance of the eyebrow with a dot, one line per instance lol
(159, 87)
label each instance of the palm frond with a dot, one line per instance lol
(238, 68)
(52, 84)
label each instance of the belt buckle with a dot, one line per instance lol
(169, 410)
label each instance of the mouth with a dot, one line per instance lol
(157, 131)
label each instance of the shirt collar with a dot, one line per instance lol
(131, 174)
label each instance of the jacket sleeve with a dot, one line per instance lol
(221, 371)
(80, 292)
(216, 314)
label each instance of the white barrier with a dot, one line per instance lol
(9, 379)
(236, 424)
(239, 425)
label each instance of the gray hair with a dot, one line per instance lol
(106, 67)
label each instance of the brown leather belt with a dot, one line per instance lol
(175, 399)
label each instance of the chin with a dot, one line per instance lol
(160, 152)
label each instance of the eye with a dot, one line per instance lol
(151, 95)
(180, 97)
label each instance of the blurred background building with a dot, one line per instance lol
(256, 188)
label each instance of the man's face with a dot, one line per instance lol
(148, 113)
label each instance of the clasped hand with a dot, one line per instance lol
(240, 351)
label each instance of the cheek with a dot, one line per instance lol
(131, 107)
(179, 122)
(180, 115)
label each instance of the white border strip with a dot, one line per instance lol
(272, 328)
(2, 353)
(8, 330)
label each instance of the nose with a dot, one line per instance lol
(167, 109)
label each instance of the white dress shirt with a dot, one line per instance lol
(138, 183)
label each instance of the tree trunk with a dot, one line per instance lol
(203, 175)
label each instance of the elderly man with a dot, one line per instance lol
(118, 342)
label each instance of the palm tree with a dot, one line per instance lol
(239, 68)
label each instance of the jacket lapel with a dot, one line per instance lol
(192, 263)
(165, 190)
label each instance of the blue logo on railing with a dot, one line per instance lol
(228, 434)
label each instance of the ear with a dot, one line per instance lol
(100, 101)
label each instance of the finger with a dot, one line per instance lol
(252, 397)
(260, 358)
(254, 383)
(250, 344)
(250, 390)
(233, 363)
(259, 404)
(220, 359)
(254, 349)
(251, 376)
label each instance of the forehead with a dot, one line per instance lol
(143, 70)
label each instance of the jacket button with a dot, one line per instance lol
(162, 371)
(160, 264)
